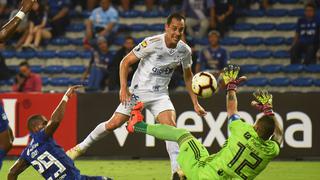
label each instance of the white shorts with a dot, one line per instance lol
(156, 103)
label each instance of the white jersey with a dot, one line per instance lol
(157, 64)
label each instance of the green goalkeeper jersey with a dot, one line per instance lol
(244, 154)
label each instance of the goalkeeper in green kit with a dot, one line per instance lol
(246, 152)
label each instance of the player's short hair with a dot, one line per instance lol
(129, 38)
(176, 16)
(266, 126)
(24, 63)
(310, 4)
(214, 32)
(102, 39)
(33, 119)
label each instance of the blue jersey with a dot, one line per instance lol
(210, 54)
(3, 120)
(49, 159)
(308, 30)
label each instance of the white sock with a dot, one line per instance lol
(95, 135)
(173, 151)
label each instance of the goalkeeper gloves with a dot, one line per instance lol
(263, 101)
(229, 77)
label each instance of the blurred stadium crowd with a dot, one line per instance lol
(67, 42)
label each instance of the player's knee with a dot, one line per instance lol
(169, 122)
(112, 125)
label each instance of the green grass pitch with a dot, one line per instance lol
(159, 170)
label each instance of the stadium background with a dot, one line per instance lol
(259, 42)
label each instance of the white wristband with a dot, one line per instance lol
(20, 15)
(65, 98)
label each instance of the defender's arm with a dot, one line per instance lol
(125, 64)
(58, 113)
(9, 28)
(19, 166)
(187, 75)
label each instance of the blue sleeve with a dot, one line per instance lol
(23, 153)
(114, 16)
(233, 117)
(93, 15)
(41, 136)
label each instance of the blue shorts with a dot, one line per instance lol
(84, 177)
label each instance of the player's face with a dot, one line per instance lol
(175, 30)
(25, 70)
(129, 44)
(309, 12)
(103, 46)
(105, 4)
(213, 39)
(40, 125)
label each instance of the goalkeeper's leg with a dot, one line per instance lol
(163, 132)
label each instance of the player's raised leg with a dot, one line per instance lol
(99, 132)
(168, 118)
(191, 150)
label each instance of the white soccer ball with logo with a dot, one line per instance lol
(204, 84)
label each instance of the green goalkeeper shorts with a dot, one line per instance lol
(192, 159)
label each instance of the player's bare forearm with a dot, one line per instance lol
(12, 176)
(295, 39)
(123, 74)
(278, 132)
(56, 118)
(63, 12)
(126, 62)
(8, 29)
(109, 27)
(187, 75)
(58, 113)
(232, 103)
(19, 166)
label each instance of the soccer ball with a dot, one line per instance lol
(204, 84)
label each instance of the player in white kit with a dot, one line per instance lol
(159, 56)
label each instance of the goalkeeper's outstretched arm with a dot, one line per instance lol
(231, 81)
(278, 132)
(232, 103)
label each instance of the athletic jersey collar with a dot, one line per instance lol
(171, 51)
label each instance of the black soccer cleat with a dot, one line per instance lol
(178, 176)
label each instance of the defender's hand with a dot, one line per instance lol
(229, 77)
(71, 91)
(200, 110)
(124, 96)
